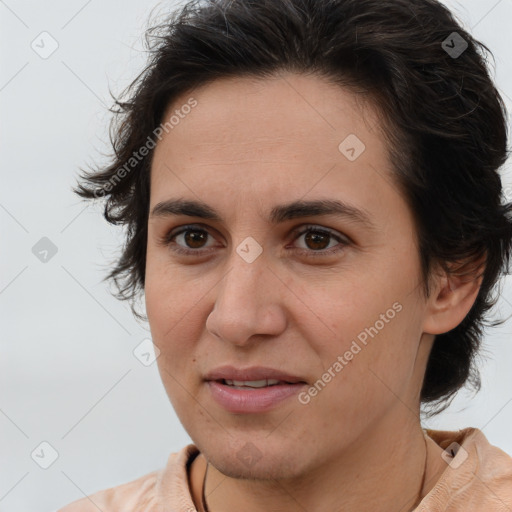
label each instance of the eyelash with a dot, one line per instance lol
(167, 240)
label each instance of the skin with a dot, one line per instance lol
(249, 145)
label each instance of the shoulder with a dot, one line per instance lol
(135, 493)
(478, 475)
(151, 493)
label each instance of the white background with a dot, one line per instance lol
(67, 372)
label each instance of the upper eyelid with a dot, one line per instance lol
(199, 226)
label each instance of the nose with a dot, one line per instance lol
(248, 303)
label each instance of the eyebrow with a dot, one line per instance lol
(278, 214)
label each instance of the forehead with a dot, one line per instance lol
(287, 134)
(293, 107)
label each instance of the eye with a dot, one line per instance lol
(318, 239)
(188, 240)
(191, 240)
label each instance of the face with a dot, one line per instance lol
(329, 297)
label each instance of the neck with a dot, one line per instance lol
(385, 470)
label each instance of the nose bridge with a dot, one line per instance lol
(248, 265)
(244, 284)
(240, 284)
(244, 302)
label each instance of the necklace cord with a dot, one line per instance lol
(203, 493)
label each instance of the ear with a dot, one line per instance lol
(452, 297)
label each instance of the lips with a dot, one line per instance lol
(245, 376)
(256, 389)
(253, 390)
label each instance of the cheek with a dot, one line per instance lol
(359, 382)
(170, 316)
(175, 333)
(383, 370)
(166, 297)
(173, 292)
(368, 338)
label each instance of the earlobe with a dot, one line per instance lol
(451, 301)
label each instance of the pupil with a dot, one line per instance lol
(316, 238)
(197, 237)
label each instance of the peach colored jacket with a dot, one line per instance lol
(477, 479)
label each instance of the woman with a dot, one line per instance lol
(314, 218)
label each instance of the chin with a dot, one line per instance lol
(259, 460)
(264, 469)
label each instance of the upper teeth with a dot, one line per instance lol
(252, 383)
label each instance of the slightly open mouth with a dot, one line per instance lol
(256, 384)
